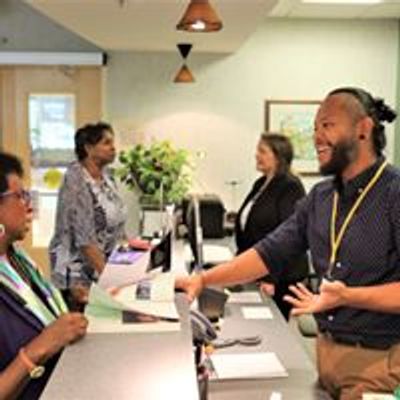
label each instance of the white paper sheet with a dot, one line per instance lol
(244, 297)
(377, 396)
(161, 301)
(216, 254)
(247, 366)
(122, 274)
(257, 312)
(212, 253)
(163, 287)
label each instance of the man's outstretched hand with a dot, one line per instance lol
(331, 295)
(192, 285)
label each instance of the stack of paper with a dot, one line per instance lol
(244, 297)
(247, 366)
(257, 312)
(129, 310)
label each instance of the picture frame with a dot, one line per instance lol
(295, 119)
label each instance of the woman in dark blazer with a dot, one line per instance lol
(35, 323)
(270, 202)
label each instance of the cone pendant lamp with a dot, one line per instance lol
(199, 16)
(184, 75)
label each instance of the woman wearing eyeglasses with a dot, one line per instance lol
(90, 213)
(34, 321)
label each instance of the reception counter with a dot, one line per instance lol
(155, 366)
(126, 366)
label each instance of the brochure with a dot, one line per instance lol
(124, 255)
(145, 306)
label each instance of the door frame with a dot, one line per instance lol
(16, 84)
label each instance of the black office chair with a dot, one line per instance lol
(208, 255)
(306, 323)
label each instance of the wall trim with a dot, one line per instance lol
(52, 58)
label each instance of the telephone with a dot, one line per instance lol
(202, 329)
(212, 303)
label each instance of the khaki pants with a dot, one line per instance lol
(347, 372)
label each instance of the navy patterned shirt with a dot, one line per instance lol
(369, 253)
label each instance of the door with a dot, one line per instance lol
(40, 109)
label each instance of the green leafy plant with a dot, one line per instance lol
(158, 170)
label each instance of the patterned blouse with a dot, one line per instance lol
(88, 212)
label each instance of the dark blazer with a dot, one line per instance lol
(275, 204)
(18, 327)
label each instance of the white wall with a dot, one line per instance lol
(23, 28)
(223, 112)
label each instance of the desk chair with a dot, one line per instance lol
(307, 326)
(306, 323)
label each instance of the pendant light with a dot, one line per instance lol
(184, 75)
(200, 16)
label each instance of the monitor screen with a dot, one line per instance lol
(160, 255)
(195, 236)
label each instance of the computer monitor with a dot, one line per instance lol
(160, 254)
(195, 233)
(204, 255)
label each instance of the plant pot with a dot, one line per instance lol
(147, 202)
(155, 221)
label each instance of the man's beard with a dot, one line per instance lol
(342, 155)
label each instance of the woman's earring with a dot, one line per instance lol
(2, 230)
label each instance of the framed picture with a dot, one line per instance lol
(295, 119)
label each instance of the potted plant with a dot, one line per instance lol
(158, 171)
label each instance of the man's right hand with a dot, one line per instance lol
(68, 328)
(268, 289)
(192, 285)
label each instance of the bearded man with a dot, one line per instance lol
(350, 223)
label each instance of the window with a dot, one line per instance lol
(51, 133)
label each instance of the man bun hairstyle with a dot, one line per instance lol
(376, 109)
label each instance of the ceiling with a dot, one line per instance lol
(149, 25)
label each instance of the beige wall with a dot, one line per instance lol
(222, 112)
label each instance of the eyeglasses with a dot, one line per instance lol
(23, 195)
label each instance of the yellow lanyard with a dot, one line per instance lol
(336, 240)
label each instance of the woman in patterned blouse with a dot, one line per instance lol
(90, 213)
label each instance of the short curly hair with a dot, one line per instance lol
(90, 134)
